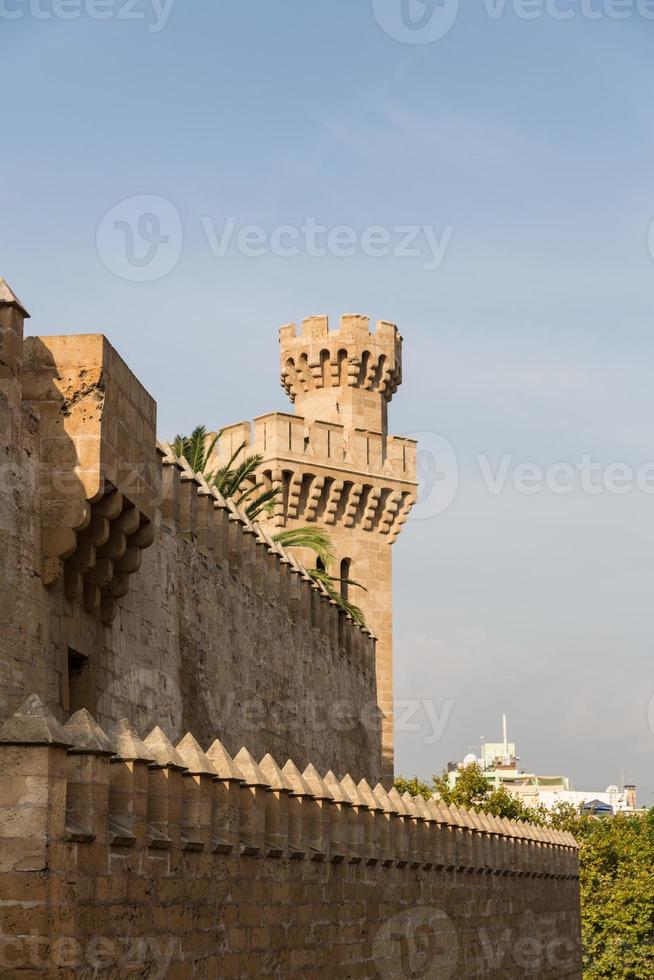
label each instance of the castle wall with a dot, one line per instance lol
(198, 624)
(201, 865)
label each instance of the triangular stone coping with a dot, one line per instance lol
(314, 781)
(381, 796)
(127, 744)
(196, 761)
(439, 807)
(496, 825)
(397, 802)
(466, 817)
(252, 775)
(219, 500)
(162, 749)
(521, 830)
(33, 724)
(259, 535)
(265, 534)
(86, 735)
(296, 567)
(421, 806)
(235, 513)
(434, 811)
(205, 488)
(508, 827)
(273, 775)
(410, 805)
(457, 816)
(223, 763)
(476, 820)
(8, 298)
(170, 458)
(349, 787)
(294, 776)
(335, 789)
(188, 473)
(368, 796)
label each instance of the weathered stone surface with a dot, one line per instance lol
(34, 724)
(86, 735)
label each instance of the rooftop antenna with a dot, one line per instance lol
(506, 744)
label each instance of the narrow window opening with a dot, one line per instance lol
(80, 682)
(346, 565)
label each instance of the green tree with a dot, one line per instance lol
(617, 895)
(470, 789)
(414, 786)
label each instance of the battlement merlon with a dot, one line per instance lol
(348, 375)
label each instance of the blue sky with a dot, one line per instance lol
(531, 141)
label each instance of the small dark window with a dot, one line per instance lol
(346, 565)
(80, 686)
(320, 565)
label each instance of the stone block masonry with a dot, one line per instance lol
(196, 754)
(121, 856)
(131, 588)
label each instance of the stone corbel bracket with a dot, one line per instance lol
(99, 472)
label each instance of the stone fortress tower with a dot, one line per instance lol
(338, 467)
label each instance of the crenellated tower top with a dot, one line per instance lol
(347, 375)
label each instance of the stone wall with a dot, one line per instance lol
(122, 570)
(123, 857)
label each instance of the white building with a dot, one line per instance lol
(499, 763)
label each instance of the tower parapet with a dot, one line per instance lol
(347, 375)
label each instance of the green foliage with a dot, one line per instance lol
(314, 537)
(470, 789)
(414, 786)
(238, 482)
(617, 895)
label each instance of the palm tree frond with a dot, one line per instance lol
(264, 502)
(315, 538)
